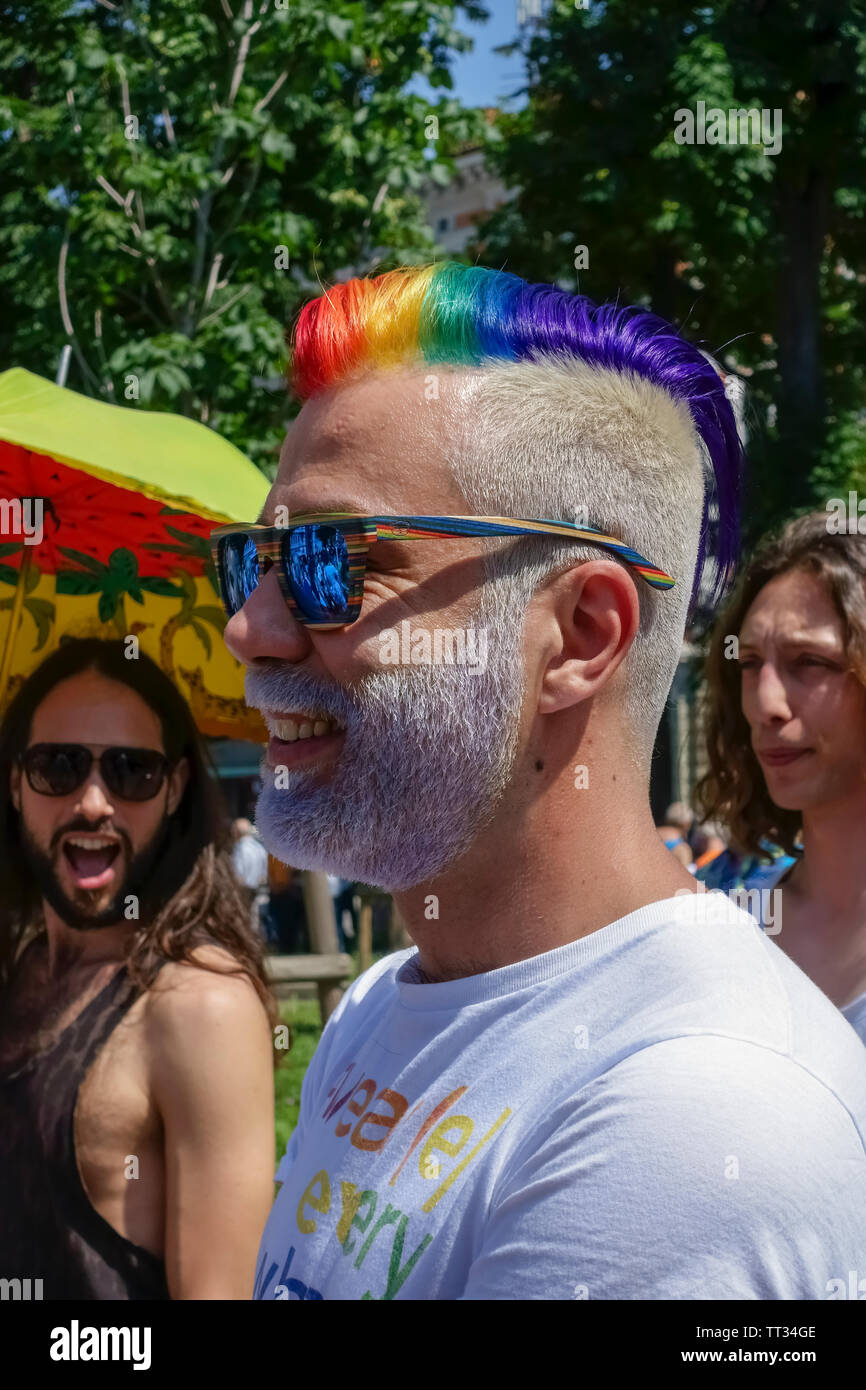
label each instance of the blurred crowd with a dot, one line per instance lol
(275, 899)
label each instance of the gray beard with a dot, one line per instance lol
(428, 754)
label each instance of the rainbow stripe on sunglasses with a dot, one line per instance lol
(322, 578)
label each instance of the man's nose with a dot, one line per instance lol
(265, 627)
(95, 802)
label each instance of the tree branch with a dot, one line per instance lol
(112, 192)
(240, 64)
(209, 318)
(142, 306)
(86, 372)
(136, 231)
(212, 278)
(203, 212)
(260, 105)
(97, 331)
(124, 95)
(61, 288)
(70, 101)
(154, 278)
(160, 289)
(241, 203)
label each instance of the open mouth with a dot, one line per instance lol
(290, 727)
(300, 737)
(90, 859)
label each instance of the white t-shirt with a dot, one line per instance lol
(666, 1109)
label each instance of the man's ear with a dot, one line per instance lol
(178, 778)
(15, 787)
(593, 617)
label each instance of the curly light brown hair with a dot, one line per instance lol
(734, 790)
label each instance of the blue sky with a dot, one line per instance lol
(482, 77)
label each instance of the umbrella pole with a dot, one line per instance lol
(14, 619)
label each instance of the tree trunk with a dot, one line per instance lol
(322, 926)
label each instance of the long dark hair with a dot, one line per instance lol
(193, 897)
(734, 790)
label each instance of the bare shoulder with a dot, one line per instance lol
(192, 1002)
(208, 1047)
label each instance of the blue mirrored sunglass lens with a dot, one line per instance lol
(317, 566)
(240, 570)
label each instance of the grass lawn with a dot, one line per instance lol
(302, 1016)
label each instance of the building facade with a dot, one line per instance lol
(455, 210)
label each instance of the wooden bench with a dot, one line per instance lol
(328, 972)
(329, 968)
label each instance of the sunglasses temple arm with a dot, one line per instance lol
(588, 533)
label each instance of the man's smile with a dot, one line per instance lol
(301, 737)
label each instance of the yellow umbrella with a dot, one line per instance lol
(105, 513)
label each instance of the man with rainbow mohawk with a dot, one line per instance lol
(461, 612)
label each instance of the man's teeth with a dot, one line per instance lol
(90, 841)
(288, 730)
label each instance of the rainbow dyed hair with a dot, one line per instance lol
(467, 316)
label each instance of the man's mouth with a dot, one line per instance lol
(289, 727)
(300, 737)
(91, 859)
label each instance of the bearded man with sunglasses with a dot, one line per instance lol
(135, 1044)
(587, 1080)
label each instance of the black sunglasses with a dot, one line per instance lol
(58, 769)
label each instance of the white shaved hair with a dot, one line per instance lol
(562, 439)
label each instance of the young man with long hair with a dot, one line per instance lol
(461, 618)
(136, 1086)
(786, 738)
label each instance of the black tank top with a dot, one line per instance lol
(49, 1229)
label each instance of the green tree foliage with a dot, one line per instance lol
(759, 257)
(177, 178)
